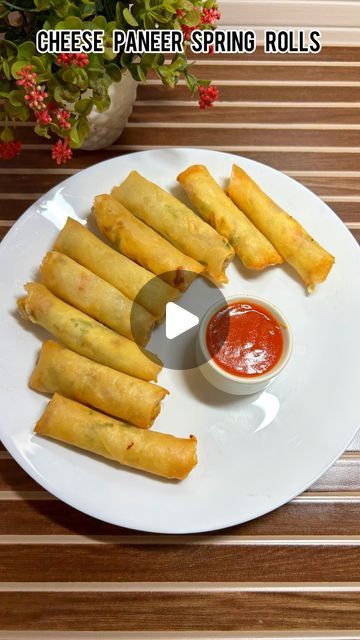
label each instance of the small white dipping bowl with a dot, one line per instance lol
(241, 385)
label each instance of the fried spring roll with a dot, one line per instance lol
(133, 281)
(85, 335)
(59, 370)
(83, 289)
(142, 244)
(151, 451)
(215, 207)
(291, 240)
(177, 223)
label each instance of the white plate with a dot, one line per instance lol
(255, 453)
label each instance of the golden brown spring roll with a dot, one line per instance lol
(215, 207)
(59, 370)
(131, 279)
(83, 289)
(294, 244)
(85, 335)
(141, 243)
(177, 223)
(151, 451)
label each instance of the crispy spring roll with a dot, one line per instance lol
(177, 223)
(59, 370)
(151, 451)
(215, 207)
(133, 281)
(85, 335)
(294, 244)
(83, 289)
(142, 244)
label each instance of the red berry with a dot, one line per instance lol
(207, 96)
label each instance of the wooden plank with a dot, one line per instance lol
(28, 183)
(179, 563)
(294, 519)
(347, 211)
(214, 136)
(14, 208)
(99, 611)
(342, 476)
(276, 72)
(333, 94)
(228, 136)
(282, 160)
(237, 114)
(80, 160)
(299, 161)
(14, 478)
(297, 13)
(342, 54)
(332, 185)
(356, 234)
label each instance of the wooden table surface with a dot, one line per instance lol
(292, 573)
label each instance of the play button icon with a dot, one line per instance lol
(178, 320)
(174, 339)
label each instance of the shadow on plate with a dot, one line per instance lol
(206, 393)
(30, 327)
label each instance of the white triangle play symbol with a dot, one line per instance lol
(178, 320)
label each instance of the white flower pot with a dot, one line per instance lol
(106, 127)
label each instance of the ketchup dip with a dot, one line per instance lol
(244, 339)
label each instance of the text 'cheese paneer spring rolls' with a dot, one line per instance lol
(177, 223)
(142, 244)
(59, 370)
(85, 335)
(215, 207)
(135, 282)
(158, 453)
(295, 245)
(83, 289)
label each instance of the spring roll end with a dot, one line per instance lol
(217, 281)
(21, 305)
(24, 303)
(193, 170)
(35, 382)
(317, 277)
(194, 461)
(259, 263)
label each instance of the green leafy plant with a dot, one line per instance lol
(58, 92)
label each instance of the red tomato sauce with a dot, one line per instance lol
(244, 339)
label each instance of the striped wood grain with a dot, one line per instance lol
(327, 54)
(292, 573)
(337, 93)
(157, 611)
(262, 563)
(28, 518)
